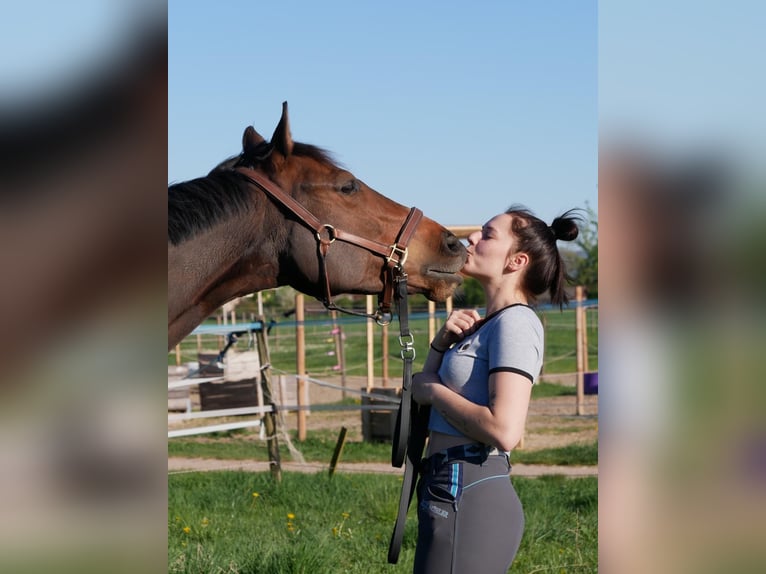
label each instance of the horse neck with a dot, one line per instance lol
(209, 269)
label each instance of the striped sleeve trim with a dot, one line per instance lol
(512, 370)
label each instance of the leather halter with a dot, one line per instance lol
(395, 255)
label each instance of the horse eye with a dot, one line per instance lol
(350, 187)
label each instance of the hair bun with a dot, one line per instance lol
(564, 227)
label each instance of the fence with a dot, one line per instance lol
(326, 353)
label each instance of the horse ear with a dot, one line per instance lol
(250, 140)
(282, 140)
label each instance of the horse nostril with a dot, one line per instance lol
(453, 244)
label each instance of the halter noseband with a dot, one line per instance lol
(394, 255)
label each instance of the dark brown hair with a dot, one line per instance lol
(546, 270)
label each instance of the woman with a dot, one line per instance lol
(477, 380)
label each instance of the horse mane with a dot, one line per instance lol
(197, 205)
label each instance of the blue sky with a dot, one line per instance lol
(459, 109)
(685, 75)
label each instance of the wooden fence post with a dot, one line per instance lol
(579, 327)
(585, 339)
(431, 321)
(300, 358)
(370, 347)
(269, 418)
(337, 333)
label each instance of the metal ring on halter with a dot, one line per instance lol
(383, 319)
(330, 232)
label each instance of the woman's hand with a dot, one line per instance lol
(459, 324)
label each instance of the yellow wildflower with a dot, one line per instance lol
(187, 529)
(290, 516)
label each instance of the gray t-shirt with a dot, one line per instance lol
(509, 340)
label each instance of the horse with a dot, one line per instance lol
(284, 212)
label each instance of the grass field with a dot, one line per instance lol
(319, 446)
(245, 523)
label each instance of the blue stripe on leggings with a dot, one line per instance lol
(455, 481)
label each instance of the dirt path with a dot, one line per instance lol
(180, 465)
(552, 422)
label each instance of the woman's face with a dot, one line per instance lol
(489, 249)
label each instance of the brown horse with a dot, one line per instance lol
(283, 213)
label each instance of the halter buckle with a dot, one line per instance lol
(398, 256)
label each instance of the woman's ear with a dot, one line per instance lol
(517, 261)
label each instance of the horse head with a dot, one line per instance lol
(285, 213)
(345, 204)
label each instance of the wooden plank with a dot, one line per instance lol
(213, 428)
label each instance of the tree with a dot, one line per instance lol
(470, 294)
(586, 273)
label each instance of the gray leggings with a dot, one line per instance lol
(470, 520)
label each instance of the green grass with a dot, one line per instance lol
(319, 447)
(541, 390)
(561, 532)
(320, 525)
(570, 455)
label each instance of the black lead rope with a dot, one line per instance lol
(417, 441)
(411, 428)
(402, 427)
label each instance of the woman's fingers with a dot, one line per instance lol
(461, 321)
